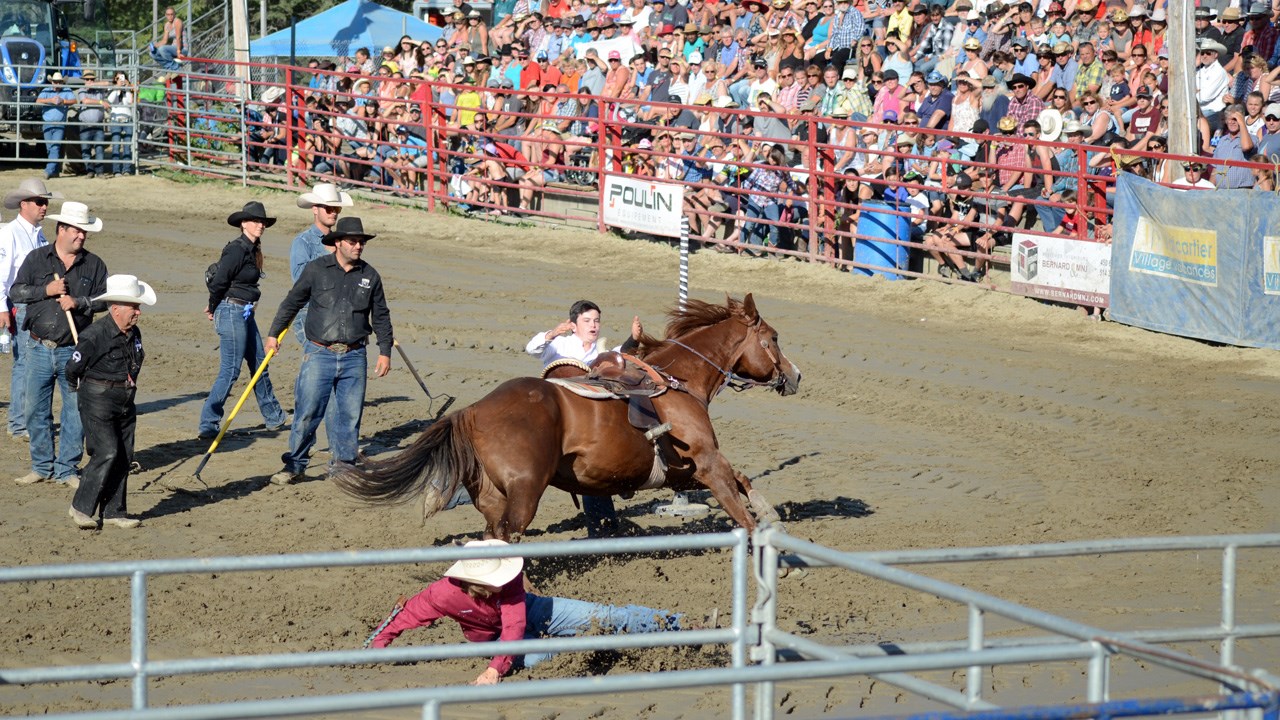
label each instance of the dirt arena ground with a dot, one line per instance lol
(929, 416)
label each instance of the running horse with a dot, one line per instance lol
(528, 434)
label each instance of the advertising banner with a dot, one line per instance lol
(642, 205)
(1199, 264)
(1062, 269)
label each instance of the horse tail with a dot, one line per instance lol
(440, 461)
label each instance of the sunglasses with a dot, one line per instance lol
(38, 201)
(1272, 118)
(1089, 102)
(1059, 97)
(355, 241)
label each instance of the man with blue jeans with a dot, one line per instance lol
(93, 117)
(54, 99)
(345, 302)
(56, 282)
(17, 240)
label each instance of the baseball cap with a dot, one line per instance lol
(1272, 109)
(615, 55)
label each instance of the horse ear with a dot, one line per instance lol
(749, 308)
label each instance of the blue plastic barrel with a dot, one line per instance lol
(875, 222)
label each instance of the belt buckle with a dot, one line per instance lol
(49, 344)
(340, 348)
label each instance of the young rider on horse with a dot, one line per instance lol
(578, 339)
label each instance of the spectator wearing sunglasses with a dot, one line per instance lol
(1269, 144)
(1193, 176)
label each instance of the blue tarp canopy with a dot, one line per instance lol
(343, 29)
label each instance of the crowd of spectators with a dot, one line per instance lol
(943, 88)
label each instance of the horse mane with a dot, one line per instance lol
(695, 315)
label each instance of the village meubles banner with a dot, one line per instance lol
(1197, 263)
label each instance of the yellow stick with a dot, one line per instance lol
(243, 396)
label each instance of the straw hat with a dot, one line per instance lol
(1072, 127)
(491, 572)
(1050, 124)
(1007, 124)
(326, 194)
(77, 215)
(27, 190)
(127, 289)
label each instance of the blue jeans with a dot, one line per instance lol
(326, 373)
(18, 383)
(741, 92)
(44, 368)
(121, 147)
(758, 233)
(563, 617)
(92, 148)
(165, 55)
(53, 135)
(239, 342)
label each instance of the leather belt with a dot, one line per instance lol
(108, 383)
(338, 347)
(47, 343)
(237, 301)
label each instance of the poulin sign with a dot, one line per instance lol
(642, 205)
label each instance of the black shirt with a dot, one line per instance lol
(236, 275)
(86, 278)
(341, 304)
(105, 353)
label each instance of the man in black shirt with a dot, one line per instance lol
(104, 371)
(343, 294)
(57, 283)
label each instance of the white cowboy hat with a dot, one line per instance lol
(326, 194)
(127, 289)
(1072, 127)
(27, 190)
(1050, 124)
(77, 215)
(494, 572)
(272, 94)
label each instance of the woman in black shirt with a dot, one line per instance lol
(233, 293)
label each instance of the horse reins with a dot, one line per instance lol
(736, 382)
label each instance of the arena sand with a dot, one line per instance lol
(929, 416)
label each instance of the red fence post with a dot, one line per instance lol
(815, 198)
(288, 125)
(602, 147)
(429, 128)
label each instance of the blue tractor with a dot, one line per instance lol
(39, 37)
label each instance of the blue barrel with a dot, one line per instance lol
(875, 222)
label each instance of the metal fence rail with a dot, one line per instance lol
(753, 636)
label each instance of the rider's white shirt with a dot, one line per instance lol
(564, 346)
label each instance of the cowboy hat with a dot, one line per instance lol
(1209, 45)
(492, 572)
(347, 227)
(1231, 14)
(77, 214)
(127, 289)
(55, 77)
(272, 94)
(1050, 124)
(1007, 124)
(326, 194)
(252, 210)
(27, 190)
(1072, 127)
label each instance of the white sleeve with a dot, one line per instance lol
(7, 269)
(537, 344)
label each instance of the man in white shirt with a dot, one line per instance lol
(18, 238)
(1212, 81)
(578, 338)
(1193, 176)
(762, 83)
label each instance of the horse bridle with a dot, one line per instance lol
(738, 383)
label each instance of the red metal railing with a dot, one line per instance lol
(308, 151)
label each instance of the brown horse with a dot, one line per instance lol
(528, 434)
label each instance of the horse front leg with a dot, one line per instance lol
(763, 510)
(722, 480)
